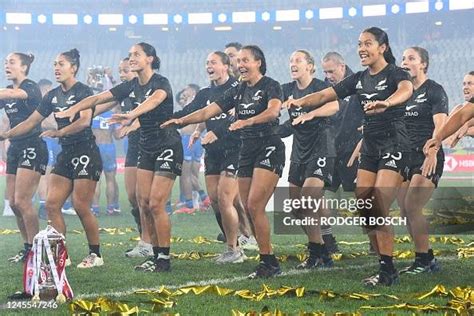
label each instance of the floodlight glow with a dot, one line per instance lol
(200, 18)
(87, 19)
(42, 19)
(244, 17)
(155, 19)
(309, 14)
(266, 16)
(439, 5)
(277, 28)
(178, 19)
(352, 12)
(331, 13)
(417, 7)
(65, 19)
(374, 10)
(222, 17)
(18, 18)
(395, 8)
(110, 19)
(132, 19)
(287, 15)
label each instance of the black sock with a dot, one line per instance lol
(156, 251)
(430, 254)
(315, 249)
(386, 263)
(27, 246)
(423, 258)
(164, 251)
(95, 249)
(136, 216)
(269, 259)
(219, 221)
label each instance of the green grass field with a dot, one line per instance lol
(117, 280)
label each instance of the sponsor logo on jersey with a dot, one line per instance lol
(26, 163)
(369, 96)
(381, 85)
(83, 172)
(246, 109)
(266, 162)
(54, 100)
(318, 172)
(409, 111)
(10, 105)
(165, 165)
(61, 108)
(391, 163)
(359, 85)
(132, 94)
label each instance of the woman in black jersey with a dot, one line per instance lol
(27, 155)
(222, 153)
(313, 152)
(382, 89)
(257, 101)
(78, 165)
(143, 248)
(425, 114)
(160, 151)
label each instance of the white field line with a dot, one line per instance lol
(233, 280)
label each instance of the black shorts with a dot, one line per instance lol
(319, 167)
(216, 163)
(343, 175)
(415, 164)
(267, 153)
(29, 154)
(167, 158)
(396, 161)
(79, 161)
(131, 158)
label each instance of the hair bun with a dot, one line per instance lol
(74, 52)
(31, 57)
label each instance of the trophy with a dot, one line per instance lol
(44, 272)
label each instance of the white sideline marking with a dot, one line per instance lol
(233, 280)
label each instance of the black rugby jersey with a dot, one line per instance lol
(315, 137)
(251, 101)
(151, 135)
(58, 100)
(383, 132)
(218, 124)
(126, 106)
(429, 99)
(19, 110)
